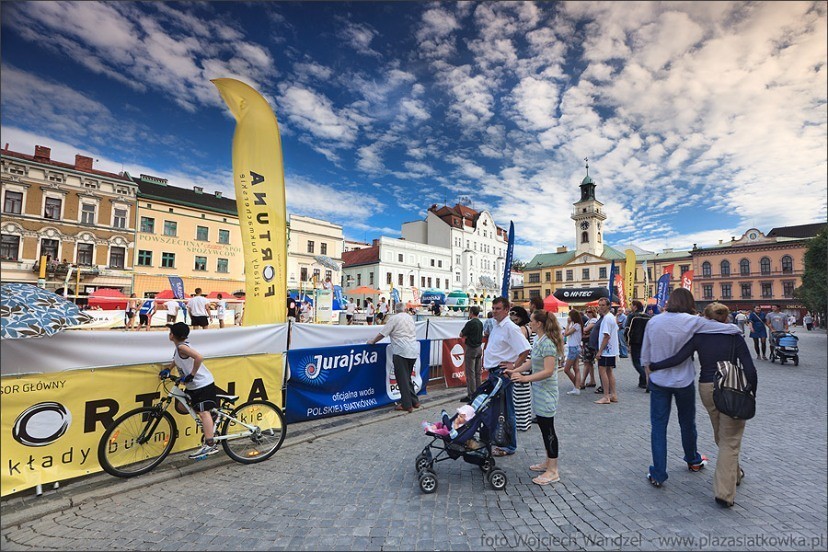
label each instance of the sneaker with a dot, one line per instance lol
(698, 467)
(653, 482)
(574, 391)
(204, 451)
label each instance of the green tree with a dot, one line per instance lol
(518, 265)
(814, 289)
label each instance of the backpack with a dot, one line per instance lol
(635, 330)
(594, 334)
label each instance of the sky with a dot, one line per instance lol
(699, 119)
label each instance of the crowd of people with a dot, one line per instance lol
(197, 308)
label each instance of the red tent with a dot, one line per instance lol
(215, 294)
(166, 294)
(595, 304)
(108, 299)
(553, 304)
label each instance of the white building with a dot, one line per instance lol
(314, 249)
(410, 267)
(477, 245)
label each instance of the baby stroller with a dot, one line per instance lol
(489, 410)
(784, 346)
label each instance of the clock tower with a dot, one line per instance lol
(589, 217)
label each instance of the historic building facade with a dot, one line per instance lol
(76, 216)
(315, 250)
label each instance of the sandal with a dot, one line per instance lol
(613, 399)
(603, 401)
(741, 476)
(590, 384)
(599, 391)
(538, 468)
(500, 452)
(653, 482)
(541, 480)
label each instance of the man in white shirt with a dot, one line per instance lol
(608, 351)
(350, 309)
(507, 348)
(197, 306)
(405, 349)
(172, 307)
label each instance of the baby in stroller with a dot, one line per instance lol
(448, 428)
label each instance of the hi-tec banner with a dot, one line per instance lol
(330, 381)
(580, 295)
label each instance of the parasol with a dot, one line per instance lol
(29, 311)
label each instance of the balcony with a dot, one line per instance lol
(56, 269)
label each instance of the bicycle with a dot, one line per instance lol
(141, 439)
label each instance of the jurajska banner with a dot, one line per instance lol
(663, 290)
(330, 381)
(259, 178)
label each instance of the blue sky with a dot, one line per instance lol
(700, 119)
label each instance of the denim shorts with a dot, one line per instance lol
(572, 352)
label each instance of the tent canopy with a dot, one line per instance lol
(108, 299)
(363, 290)
(215, 294)
(553, 304)
(165, 294)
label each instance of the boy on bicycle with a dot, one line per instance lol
(199, 382)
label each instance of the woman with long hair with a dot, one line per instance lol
(573, 331)
(543, 377)
(522, 392)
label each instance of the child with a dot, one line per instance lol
(464, 414)
(200, 384)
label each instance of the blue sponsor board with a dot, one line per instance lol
(331, 381)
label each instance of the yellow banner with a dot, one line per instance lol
(52, 423)
(629, 274)
(259, 178)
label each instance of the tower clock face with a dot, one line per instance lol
(584, 225)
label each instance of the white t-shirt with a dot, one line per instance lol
(402, 331)
(609, 326)
(574, 339)
(198, 306)
(172, 307)
(383, 308)
(350, 307)
(185, 367)
(221, 306)
(369, 310)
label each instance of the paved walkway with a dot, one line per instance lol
(353, 486)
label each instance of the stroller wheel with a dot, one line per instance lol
(487, 465)
(781, 359)
(428, 482)
(497, 479)
(421, 462)
(796, 360)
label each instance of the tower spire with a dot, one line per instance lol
(587, 164)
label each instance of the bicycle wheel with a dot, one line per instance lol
(137, 442)
(248, 447)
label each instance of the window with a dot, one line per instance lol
(359, 279)
(117, 255)
(548, 292)
(52, 208)
(202, 233)
(584, 274)
(649, 273)
(422, 281)
(707, 270)
(456, 259)
(787, 264)
(725, 268)
(767, 290)
(170, 228)
(167, 260)
(569, 275)
(707, 291)
(534, 293)
(389, 278)
(602, 273)
(328, 274)
(432, 262)
(439, 264)
(726, 291)
(144, 257)
(399, 279)
(457, 277)
(559, 275)
(429, 281)
(447, 283)
(148, 225)
(323, 248)
(514, 295)
(316, 275)
(13, 202)
(200, 263)
(746, 291)
(224, 236)
(534, 278)
(787, 289)
(764, 266)
(87, 213)
(310, 246)
(411, 280)
(547, 276)
(303, 274)
(584, 237)
(49, 248)
(744, 267)
(9, 248)
(684, 268)
(223, 266)
(120, 218)
(86, 252)
(635, 293)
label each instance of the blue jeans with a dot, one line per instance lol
(510, 411)
(622, 343)
(660, 403)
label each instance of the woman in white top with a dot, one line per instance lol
(221, 308)
(573, 351)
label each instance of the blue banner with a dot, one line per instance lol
(662, 290)
(507, 269)
(611, 284)
(429, 296)
(395, 295)
(331, 381)
(338, 301)
(177, 286)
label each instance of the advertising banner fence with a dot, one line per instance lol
(454, 362)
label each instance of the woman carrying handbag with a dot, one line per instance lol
(727, 431)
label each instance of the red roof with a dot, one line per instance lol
(64, 165)
(367, 255)
(459, 214)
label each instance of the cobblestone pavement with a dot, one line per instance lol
(356, 489)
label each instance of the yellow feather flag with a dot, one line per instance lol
(629, 274)
(259, 178)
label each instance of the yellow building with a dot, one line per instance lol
(80, 218)
(187, 233)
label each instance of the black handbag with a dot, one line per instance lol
(502, 434)
(732, 393)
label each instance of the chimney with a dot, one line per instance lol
(42, 153)
(375, 242)
(561, 249)
(732, 238)
(198, 189)
(720, 242)
(83, 163)
(218, 194)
